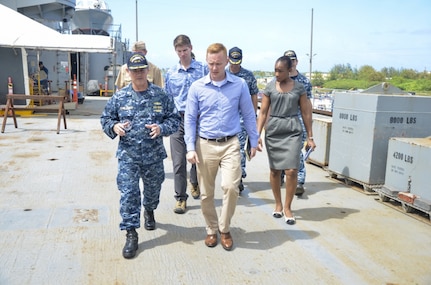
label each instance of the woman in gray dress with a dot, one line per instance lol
(283, 132)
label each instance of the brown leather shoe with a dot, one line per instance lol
(226, 241)
(211, 240)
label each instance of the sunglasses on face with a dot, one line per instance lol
(137, 70)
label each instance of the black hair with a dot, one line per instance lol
(285, 60)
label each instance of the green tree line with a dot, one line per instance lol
(343, 76)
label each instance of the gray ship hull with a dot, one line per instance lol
(91, 21)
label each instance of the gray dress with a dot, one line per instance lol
(283, 132)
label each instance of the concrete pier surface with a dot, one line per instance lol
(59, 221)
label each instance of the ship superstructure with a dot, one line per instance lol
(86, 18)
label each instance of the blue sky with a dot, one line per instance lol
(380, 33)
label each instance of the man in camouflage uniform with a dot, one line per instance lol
(140, 114)
(297, 76)
(235, 68)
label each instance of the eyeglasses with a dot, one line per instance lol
(138, 70)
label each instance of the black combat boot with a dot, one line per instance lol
(241, 186)
(150, 223)
(131, 246)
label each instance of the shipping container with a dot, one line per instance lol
(322, 137)
(408, 171)
(362, 124)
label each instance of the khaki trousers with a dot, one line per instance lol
(213, 155)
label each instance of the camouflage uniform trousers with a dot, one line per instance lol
(242, 136)
(129, 174)
(301, 171)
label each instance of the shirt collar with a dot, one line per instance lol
(229, 78)
(193, 65)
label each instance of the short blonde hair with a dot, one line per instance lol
(139, 46)
(216, 48)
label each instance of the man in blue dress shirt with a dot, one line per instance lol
(214, 104)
